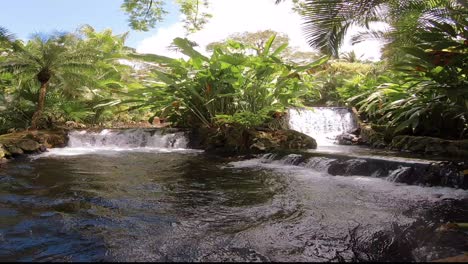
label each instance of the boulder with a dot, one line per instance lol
(279, 140)
(236, 140)
(28, 145)
(430, 145)
(14, 150)
(348, 139)
(371, 137)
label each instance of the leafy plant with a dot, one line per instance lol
(431, 97)
(231, 81)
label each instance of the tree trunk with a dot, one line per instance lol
(40, 105)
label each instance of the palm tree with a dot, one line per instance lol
(351, 56)
(328, 21)
(49, 60)
(5, 37)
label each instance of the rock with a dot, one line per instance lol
(459, 258)
(73, 124)
(282, 140)
(349, 167)
(430, 145)
(348, 139)
(258, 145)
(236, 140)
(14, 150)
(42, 148)
(370, 137)
(28, 145)
(447, 227)
(156, 121)
(55, 140)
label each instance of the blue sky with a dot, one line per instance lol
(24, 17)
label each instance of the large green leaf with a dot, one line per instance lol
(186, 48)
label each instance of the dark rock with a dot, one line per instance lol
(14, 150)
(337, 168)
(371, 137)
(232, 140)
(429, 145)
(281, 140)
(28, 145)
(348, 139)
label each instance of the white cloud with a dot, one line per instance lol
(232, 16)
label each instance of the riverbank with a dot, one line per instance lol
(31, 142)
(125, 163)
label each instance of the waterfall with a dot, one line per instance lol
(110, 141)
(131, 138)
(324, 124)
(399, 174)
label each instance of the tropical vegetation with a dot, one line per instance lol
(250, 78)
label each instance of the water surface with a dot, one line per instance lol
(176, 206)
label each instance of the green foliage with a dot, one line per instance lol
(427, 95)
(231, 81)
(145, 14)
(328, 21)
(338, 80)
(243, 119)
(83, 69)
(255, 42)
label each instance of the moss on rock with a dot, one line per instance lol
(18, 143)
(238, 140)
(430, 145)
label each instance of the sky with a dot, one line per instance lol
(24, 17)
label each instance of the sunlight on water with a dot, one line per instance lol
(324, 124)
(108, 142)
(315, 171)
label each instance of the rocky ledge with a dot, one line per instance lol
(29, 142)
(234, 140)
(430, 145)
(376, 137)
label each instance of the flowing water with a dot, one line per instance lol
(142, 196)
(324, 124)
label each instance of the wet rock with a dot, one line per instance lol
(350, 167)
(28, 145)
(26, 142)
(430, 145)
(235, 140)
(447, 227)
(73, 124)
(348, 139)
(42, 148)
(459, 258)
(14, 150)
(371, 137)
(282, 140)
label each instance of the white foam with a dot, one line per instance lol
(108, 142)
(379, 186)
(324, 124)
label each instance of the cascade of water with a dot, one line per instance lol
(268, 158)
(319, 163)
(324, 124)
(396, 175)
(112, 141)
(133, 138)
(291, 159)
